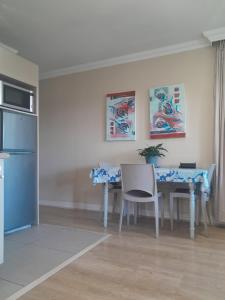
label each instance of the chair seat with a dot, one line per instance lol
(182, 190)
(142, 195)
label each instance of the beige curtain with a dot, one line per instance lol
(219, 143)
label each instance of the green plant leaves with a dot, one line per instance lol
(157, 150)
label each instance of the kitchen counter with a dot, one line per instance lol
(2, 157)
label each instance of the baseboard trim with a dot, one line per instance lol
(71, 205)
(98, 207)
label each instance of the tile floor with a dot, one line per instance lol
(31, 253)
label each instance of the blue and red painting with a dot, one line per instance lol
(167, 113)
(120, 116)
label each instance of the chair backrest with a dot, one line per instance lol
(187, 165)
(140, 177)
(211, 170)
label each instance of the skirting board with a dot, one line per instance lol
(98, 207)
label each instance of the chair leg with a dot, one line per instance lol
(178, 210)
(208, 209)
(121, 214)
(128, 213)
(171, 212)
(101, 210)
(138, 209)
(203, 205)
(161, 211)
(197, 209)
(135, 212)
(115, 198)
(156, 204)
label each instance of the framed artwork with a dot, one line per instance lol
(167, 111)
(120, 116)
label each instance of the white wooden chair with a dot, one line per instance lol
(179, 193)
(211, 171)
(114, 188)
(184, 194)
(139, 186)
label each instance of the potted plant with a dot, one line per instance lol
(152, 153)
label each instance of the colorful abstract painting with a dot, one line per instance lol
(167, 113)
(120, 117)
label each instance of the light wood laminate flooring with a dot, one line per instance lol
(134, 265)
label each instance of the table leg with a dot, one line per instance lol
(192, 210)
(106, 202)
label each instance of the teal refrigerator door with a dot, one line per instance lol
(20, 190)
(19, 131)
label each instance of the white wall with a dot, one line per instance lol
(72, 122)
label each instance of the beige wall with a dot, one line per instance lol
(72, 122)
(15, 66)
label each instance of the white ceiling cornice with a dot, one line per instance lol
(178, 48)
(215, 35)
(8, 48)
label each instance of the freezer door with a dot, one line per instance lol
(19, 131)
(20, 185)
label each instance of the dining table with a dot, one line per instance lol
(192, 177)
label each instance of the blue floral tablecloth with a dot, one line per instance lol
(102, 175)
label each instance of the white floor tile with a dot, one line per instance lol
(28, 263)
(11, 247)
(31, 253)
(67, 240)
(26, 236)
(7, 289)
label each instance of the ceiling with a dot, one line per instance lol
(63, 33)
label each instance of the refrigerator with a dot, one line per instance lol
(18, 137)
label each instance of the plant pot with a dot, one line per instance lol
(153, 160)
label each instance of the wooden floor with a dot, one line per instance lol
(134, 265)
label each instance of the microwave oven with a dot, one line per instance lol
(16, 97)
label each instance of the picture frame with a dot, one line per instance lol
(121, 116)
(167, 111)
